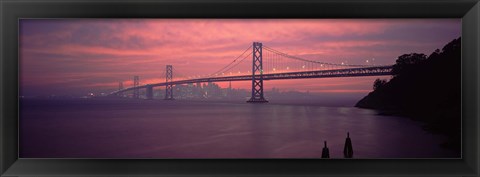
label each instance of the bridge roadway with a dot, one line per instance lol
(350, 72)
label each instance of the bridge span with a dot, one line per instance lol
(350, 72)
(275, 66)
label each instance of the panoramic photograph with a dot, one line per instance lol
(240, 88)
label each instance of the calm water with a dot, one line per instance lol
(181, 129)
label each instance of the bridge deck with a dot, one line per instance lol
(351, 72)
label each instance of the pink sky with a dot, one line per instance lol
(74, 57)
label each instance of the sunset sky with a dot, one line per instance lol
(78, 56)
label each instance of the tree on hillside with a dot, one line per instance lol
(379, 83)
(406, 62)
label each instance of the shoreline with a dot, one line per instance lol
(451, 139)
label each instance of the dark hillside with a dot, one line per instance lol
(424, 88)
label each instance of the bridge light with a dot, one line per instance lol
(303, 66)
(287, 67)
(321, 65)
(343, 63)
(366, 61)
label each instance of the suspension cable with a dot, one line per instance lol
(232, 61)
(311, 61)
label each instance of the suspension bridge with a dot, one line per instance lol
(266, 64)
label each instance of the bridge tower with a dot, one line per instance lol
(149, 92)
(257, 75)
(168, 86)
(136, 90)
(120, 87)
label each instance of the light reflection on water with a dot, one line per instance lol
(179, 129)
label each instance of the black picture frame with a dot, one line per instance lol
(11, 11)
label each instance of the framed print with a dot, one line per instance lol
(239, 88)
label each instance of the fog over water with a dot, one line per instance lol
(125, 128)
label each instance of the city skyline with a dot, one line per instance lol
(62, 56)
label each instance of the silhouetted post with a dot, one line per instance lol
(325, 151)
(348, 149)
